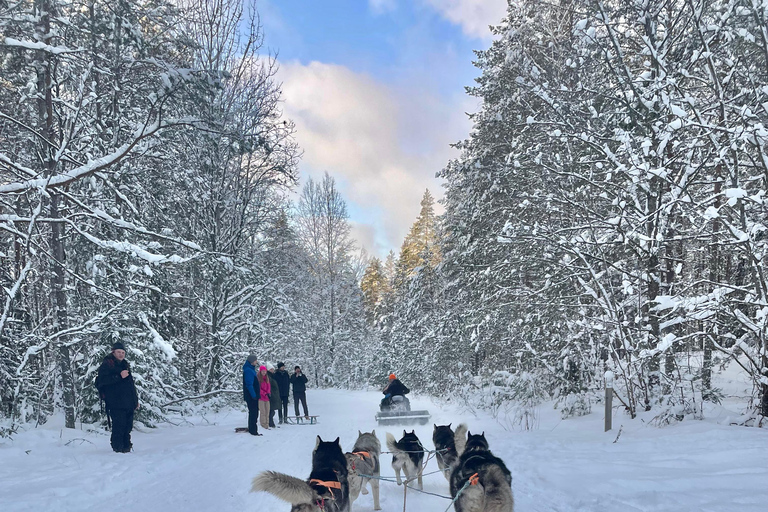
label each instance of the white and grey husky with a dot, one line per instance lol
(449, 446)
(408, 456)
(364, 460)
(326, 489)
(492, 487)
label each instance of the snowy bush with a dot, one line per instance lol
(574, 404)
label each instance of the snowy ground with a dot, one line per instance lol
(566, 465)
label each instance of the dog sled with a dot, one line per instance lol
(301, 420)
(397, 411)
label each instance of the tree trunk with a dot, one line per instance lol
(653, 287)
(45, 64)
(714, 277)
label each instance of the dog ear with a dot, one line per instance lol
(317, 443)
(435, 424)
(449, 425)
(373, 432)
(469, 434)
(337, 441)
(359, 433)
(413, 432)
(404, 432)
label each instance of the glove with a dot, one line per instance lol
(387, 395)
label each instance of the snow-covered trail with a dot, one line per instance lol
(563, 466)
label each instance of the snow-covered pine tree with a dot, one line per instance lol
(374, 286)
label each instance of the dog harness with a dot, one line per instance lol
(330, 485)
(326, 484)
(361, 456)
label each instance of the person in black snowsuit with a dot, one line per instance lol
(115, 384)
(284, 383)
(250, 395)
(274, 395)
(394, 388)
(299, 383)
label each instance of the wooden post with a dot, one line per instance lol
(608, 400)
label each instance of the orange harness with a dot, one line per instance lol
(474, 479)
(328, 485)
(362, 456)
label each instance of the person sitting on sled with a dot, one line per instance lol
(394, 388)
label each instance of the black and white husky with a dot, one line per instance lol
(448, 445)
(364, 460)
(492, 491)
(408, 456)
(326, 489)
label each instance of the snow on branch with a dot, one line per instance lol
(132, 249)
(93, 166)
(31, 45)
(165, 346)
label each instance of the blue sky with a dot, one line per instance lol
(376, 89)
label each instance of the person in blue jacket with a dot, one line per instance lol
(250, 395)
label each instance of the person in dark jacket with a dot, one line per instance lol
(393, 388)
(284, 383)
(115, 384)
(299, 383)
(274, 395)
(250, 394)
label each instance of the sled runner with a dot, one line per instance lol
(397, 411)
(301, 420)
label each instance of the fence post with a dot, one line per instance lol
(608, 400)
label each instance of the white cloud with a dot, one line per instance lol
(383, 145)
(474, 16)
(365, 234)
(380, 6)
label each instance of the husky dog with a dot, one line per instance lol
(492, 491)
(326, 489)
(449, 445)
(408, 455)
(364, 460)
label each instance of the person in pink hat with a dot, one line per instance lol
(264, 392)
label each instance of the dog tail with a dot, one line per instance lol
(392, 443)
(460, 438)
(497, 490)
(288, 488)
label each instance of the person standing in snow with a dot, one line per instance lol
(250, 394)
(264, 389)
(274, 395)
(284, 383)
(115, 383)
(299, 383)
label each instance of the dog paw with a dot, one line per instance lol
(364, 491)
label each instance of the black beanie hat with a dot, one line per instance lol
(280, 365)
(118, 346)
